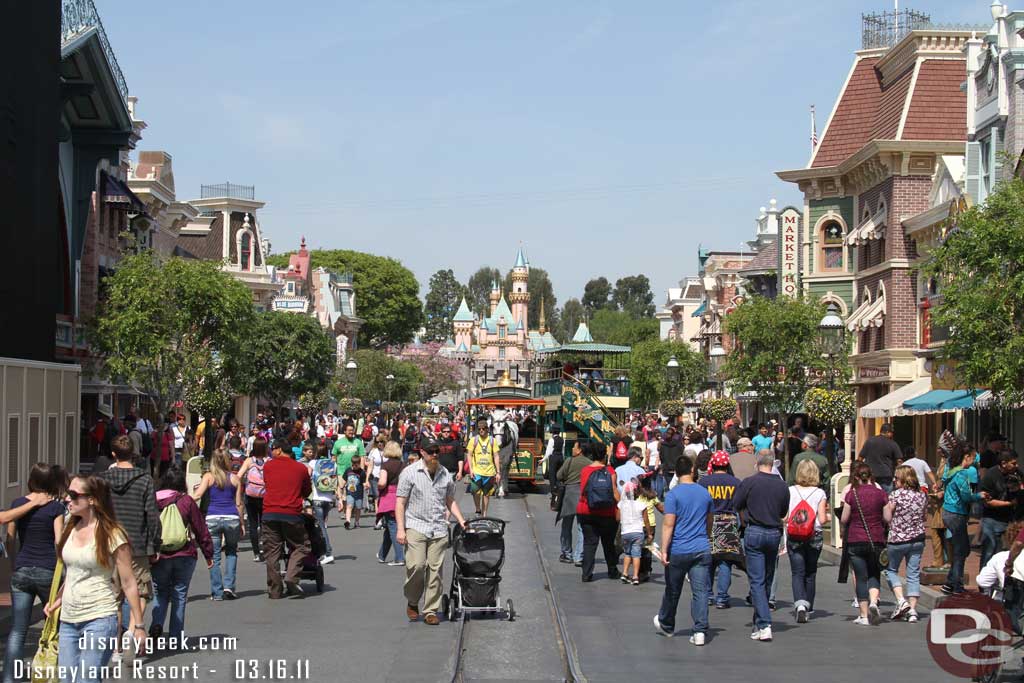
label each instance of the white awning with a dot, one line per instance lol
(891, 405)
(869, 313)
(872, 228)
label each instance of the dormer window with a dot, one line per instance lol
(245, 251)
(832, 235)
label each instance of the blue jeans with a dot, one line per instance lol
(992, 531)
(956, 527)
(321, 508)
(723, 581)
(697, 566)
(27, 584)
(912, 552)
(762, 550)
(570, 548)
(390, 534)
(171, 578)
(93, 633)
(803, 563)
(225, 532)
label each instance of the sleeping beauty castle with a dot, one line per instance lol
(501, 340)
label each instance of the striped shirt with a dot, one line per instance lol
(425, 498)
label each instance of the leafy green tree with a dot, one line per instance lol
(777, 354)
(539, 286)
(387, 293)
(161, 317)
(633, 295)
(371, 383)
(442, 301)
(569, 319)
(619, 327)
(478, 289)
(286, 355)
(597, 295)
(979, 269)
(650, 382)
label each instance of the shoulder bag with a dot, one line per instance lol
(44, 663)
(881, 554)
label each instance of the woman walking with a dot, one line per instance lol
(804, 546)
(172, 572)
(38, 521)
(223, 519)
(95, 549)
(865, 536)
(957, 498)
(387, 488)
(596, 509)
(904, 513)
(252, 474)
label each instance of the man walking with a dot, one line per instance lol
(684, 531)
(808, 445)
(287, 484)
(569, 476)
(880, 452)
(763, 502)
(722, 487)
(425, 491)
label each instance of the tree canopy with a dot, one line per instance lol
(439, 373)
(478, 289)
(387, 293)
(650, 382)
(444, 294)
(161, 316)
(371, 377)
(597, 295)
(619, 327)
(979, 270)
(569, 318)
(633, 295)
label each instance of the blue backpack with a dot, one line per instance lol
(600, 492)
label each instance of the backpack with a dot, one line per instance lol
(800, 526)
(367, 434)
(621, 450)
(599, 492)
(174, 533)
(254, 484)
(325, 476)
(147, 443)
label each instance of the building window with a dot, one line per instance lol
(986, 168)
(291, 287)
(245, 251)
(832, 246)
(501, 332)
(501, 353)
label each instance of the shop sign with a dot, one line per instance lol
(789, 253)
(872, 372)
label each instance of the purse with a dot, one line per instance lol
(881, 556)
(44, 663)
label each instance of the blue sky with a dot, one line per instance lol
(610, 138)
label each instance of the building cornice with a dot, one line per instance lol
(892, 264)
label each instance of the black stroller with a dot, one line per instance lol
(311, 570)
(477, 556)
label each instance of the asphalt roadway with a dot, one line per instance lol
(357, 630)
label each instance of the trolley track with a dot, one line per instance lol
(572, 671)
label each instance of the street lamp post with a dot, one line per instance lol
(389, 380)
(715, 357)
(832, 338)
(672, 372)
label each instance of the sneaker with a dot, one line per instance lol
(855, 604)
(862, 621)
(327, 559)
(771, 605)
(764, 634)
(662, 631)
(874, 615)
(946, 588)
(216, 598)
(229, 594)
(378, 526)
(565, 559)
(293, 589)
(912, 617)
(381, 559)
(722, 605)
(697, 639)
(749, 600)
(624, 578)
(394, 563)
(636, 581)
(801, 615)
(256, 557)
(578, 563)
(901, 610)
(348, 525)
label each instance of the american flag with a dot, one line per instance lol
(814, 131)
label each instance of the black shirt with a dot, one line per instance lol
(988, 459)
(669, 451)
(763, 500)
(881, 453)
(450, 455)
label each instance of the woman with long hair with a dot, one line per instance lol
(224, 520)
(251, 473)
(37, 521)
(905, 514)
(957, 498)
(172, 572)
(865, 536)
(95, 550)
(387, 486)
(804, 553)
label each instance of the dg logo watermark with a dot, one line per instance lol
(969, 635)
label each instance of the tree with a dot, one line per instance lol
(539, 286)
(633, 295)
(374, 367)
(162, 317)
(387, 293)
(979, 269)
(439, 373)
(618, 327)
(777, 354)
(439, 307)
(597, 295)
(478, 289)
(649, 378)
(569, 319)
(285, 356)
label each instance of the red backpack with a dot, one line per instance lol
(367, 432)
(800, 526)
(621, 450)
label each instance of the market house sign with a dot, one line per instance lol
(872, 372)
(789, 253)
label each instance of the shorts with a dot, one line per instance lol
(632, 544)
(143, 577)
(372, 493)
(481, 484)
(354, 503)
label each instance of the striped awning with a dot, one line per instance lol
(891, 405)
(943, 401)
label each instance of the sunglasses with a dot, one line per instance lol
(75, 495)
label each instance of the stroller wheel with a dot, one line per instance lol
(319, 578)
(510, 610)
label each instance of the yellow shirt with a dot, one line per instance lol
(482, 455)
(89, 587)
(652, 505)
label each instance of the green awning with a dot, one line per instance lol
(942, 401)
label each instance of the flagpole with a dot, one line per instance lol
(814, 131)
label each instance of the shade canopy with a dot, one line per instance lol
(943, 401)
(891, 405)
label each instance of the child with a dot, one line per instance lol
(650, 499)
(355, 484)
(633, 518)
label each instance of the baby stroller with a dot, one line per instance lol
(311, 570)
(478, 552)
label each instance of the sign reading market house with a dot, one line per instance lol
(789, 253)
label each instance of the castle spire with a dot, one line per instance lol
(543, 326)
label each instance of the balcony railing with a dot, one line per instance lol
(79, 16)
(228, 190)
(602, 381)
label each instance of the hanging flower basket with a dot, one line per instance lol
(672, 408)
(721, 409)
(349, 406)
(390, 407)
(830, 407)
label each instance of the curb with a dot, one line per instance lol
(929, 596)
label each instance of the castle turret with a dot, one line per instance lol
(463, 324)
(495, 296)
(519, 297)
